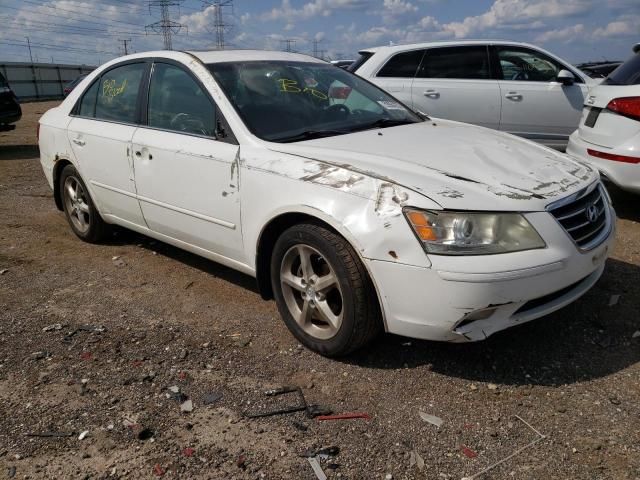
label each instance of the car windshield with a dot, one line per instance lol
(282, 101)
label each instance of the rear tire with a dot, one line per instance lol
(323, 292)
(82, 215)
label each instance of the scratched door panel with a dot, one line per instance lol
(188, 189)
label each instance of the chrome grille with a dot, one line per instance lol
(584, 216)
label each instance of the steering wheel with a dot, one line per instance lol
(520, 76)
(339, 108)
(184, 122)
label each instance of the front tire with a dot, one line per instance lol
(323, 291)
(82, 215)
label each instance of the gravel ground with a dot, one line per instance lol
(94, 337)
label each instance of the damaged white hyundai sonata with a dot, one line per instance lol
(356, 214)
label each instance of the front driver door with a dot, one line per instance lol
(187, 178)
(534, 104)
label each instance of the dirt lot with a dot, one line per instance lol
(136, 317)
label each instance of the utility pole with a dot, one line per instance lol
(166, 26)
(125, 42)
(288, 44)
(29, 44)
(220, 25)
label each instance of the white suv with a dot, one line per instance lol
(508, 86)
(609, 133)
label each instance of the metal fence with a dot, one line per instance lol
(40, 81)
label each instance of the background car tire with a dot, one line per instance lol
(82, 215)
(360, 317)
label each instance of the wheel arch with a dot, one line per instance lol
(58, 166)
(283, 220)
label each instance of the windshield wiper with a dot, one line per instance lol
(381, 123)
(310, 135)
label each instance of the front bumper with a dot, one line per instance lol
(461, 299)
(624, 175)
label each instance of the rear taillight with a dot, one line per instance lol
(613, 156)
(627, 106)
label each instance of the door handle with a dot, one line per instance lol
(138, 154)
(513, 96)
(78, 142)
(432, 94)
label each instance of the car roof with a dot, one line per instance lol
(217, 56)
(444, 43)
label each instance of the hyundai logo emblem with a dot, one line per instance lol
(592, 213)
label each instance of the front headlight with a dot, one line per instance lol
(463, 233)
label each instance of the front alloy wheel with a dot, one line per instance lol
(323, 292)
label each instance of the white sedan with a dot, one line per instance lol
(356, 214)
(609, 133)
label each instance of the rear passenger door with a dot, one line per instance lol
(457, 83)
(186, 167)
(396, 76)
(100, 132)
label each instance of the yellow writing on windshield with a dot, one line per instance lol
(291, 86)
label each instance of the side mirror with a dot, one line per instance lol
(565, 77)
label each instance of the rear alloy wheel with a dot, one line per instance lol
(81, 213)
(322, 290)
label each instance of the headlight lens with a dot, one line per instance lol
(463, 233)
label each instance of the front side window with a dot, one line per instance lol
(470, 62)
(402, 65)
(527, 65)
(282, 101)
(118, 93)
(178, 103)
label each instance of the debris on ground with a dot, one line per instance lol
(539, 438)
(614, 300)
(416, 459)
(83, 435)
(211, 398)
(51, 434)
(118, 262)
(492, 386)
(188, 452)
(437, 421)
(3, 271)
(158, 471)
(51, 328)
(344, 416)
(186, 406)
(11, 472)
(241, 461)
(317, 469)
(312, 411)
(468, 452)
(323, 453)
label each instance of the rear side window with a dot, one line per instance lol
(364, 56)
(456, 62)
(402, 65)
(626, 74)
(118, 93)
(178, 103)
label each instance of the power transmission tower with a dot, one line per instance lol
(288, 44)
(125, 42)
(166, 26)
(315, 47)
(220, 25)
(29, 44)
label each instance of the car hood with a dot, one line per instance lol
(457, 165)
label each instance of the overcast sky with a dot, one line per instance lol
(90, 32)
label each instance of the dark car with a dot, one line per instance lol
(10, 111)
(599, 69)
(72, 84)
